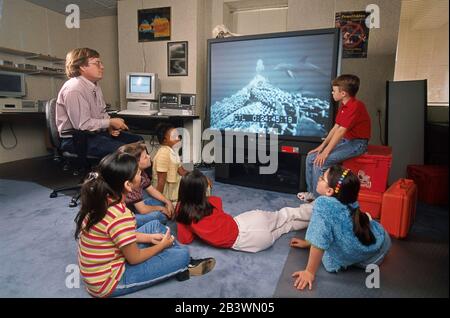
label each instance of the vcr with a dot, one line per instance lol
(174, 104)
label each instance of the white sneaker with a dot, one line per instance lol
(306, 196)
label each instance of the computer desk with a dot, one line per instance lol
(24, 119)
(145, 125)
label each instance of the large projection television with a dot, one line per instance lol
(274, 83)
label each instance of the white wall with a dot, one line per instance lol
(25, 26)
(423, 46)
(184, 27)
(28, 27)
(101, 34)
(260, 21)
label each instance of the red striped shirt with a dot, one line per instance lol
(100, 259)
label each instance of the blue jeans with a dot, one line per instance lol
(141, 219)
(102, 143)
(344, 150)
(162, 266)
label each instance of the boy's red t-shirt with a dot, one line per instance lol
(218, 229)
(354, 116)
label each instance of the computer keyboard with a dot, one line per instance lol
(138, 112)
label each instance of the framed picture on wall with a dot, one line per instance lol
(177, 58)
(154, 24)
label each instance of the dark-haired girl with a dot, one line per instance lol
(167, 169)
(115, 258)
(156, 206)
(339, 234)
(252, 231)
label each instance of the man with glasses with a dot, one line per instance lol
(81, 106)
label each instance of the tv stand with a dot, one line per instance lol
(289, 176)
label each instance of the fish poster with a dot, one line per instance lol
(355, 33)
(154, 24)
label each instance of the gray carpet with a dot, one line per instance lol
(36, 246)
(414, 267)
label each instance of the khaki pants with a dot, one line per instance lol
(259, 229)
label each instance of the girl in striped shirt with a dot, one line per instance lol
(115, 258)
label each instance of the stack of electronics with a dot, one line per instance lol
(175, 104)
(26, 66)
(144, 99)
(12, 90)
(6, 63)
(51, 69)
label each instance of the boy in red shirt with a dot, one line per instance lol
(348, 138)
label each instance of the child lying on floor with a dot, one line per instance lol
(339, 234)
(252, 231)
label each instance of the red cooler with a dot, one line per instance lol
(370, 202)
(432, 183)
(372, 167)
(398, 209)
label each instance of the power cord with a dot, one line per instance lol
(14, 135)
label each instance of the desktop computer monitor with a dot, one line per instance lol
(142, 86)
(12, 84)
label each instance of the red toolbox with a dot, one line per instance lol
(398, 208)
(431, 181)
(372, 167)
(370, 202)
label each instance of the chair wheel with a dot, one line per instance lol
(53, 194)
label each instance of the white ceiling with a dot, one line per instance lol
(88, 8)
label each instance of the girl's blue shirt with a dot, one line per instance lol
(331, 229)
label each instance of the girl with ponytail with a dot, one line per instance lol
(114, 257)
(339, 233)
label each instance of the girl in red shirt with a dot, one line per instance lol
(252, 231)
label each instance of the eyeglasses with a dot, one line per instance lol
(98, 63)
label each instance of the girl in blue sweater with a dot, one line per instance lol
(339, 234)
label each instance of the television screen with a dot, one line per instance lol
(274, 83)
(140, 84)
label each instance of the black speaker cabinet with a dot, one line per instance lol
(289, 176)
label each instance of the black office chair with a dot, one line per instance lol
(78, 159)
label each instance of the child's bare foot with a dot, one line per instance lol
(299, 243)
(305, 196)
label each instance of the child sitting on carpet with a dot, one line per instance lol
(252, 231)
(156, 207)
(111, 261)
(339, 234)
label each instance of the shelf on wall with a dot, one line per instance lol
(32, 56)
(30, 71)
